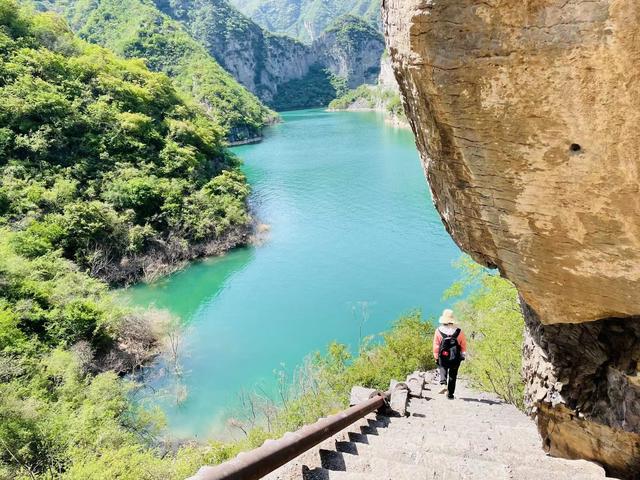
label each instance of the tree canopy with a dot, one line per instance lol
(100, 158)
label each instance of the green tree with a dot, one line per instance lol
(103, 159)
(492, 319)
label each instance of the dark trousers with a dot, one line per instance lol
(448, 376)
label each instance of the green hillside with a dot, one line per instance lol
(103, 160)
(136, 28)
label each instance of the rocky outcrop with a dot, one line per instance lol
(258, 60)
(351, 49)
(526, 114)
(387, 78)
(137, 29)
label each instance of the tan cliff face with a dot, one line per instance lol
(502, 94)
(527, 117)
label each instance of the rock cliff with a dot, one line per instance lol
(137, 29)
(351, 49)
(266, 63)
(258, 60)
(526, 116)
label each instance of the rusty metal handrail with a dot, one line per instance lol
(275, 453)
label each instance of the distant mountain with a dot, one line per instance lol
(191, 40)
(136, 28)
(306, 19)
(282, 71)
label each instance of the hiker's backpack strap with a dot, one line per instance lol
(456, 333)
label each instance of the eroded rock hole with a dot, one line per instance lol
(575, 147)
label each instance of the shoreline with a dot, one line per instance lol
(247, 141)
(392, 120)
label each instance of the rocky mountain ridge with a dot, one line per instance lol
(191, 40)
(306, 20)
(382, 97)
(266, 64)
(137, 29)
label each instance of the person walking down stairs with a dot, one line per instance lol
(449, 349)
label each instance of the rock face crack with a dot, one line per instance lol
(526, 116)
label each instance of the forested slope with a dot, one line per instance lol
(104, 161)
(100, 161)
(137, 29)
(282, 71)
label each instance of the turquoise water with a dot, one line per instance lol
(351, 224)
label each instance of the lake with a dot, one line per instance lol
(353, 242)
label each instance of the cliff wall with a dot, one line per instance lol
(264, 62)
(526, 114)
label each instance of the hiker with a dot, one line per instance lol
(449, 349)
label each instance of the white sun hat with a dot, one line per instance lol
(447, 317)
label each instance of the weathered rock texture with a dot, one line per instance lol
(526, 114)
(351, 49)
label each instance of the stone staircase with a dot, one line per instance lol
(474, 436)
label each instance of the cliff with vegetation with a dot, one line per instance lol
(281, 71)
(382, 97)
(137, 29)
(208, 47)
(106, 172)
(525, 115)
(351, 49)
(306, 20)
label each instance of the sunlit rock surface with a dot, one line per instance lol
(526, 115)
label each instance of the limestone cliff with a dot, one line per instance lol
(136, 29)
(278, 69)
(526, 116)
(351, 49)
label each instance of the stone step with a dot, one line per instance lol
(311, 458)
(431, 443)
(469, 422)
(450, 411)
(324, 474)
(463, 423)
(512, 462)
(474, 437)
(345, 462)
(440, 467)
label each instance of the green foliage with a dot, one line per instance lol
(102, 159)
(54, 418)
(351, 31)
(47, 300)
(323, 386)
(137, 29)
(492, 319)
(406, 347)
(372, 98)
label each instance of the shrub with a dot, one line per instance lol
(493, 321)
(102, 158)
